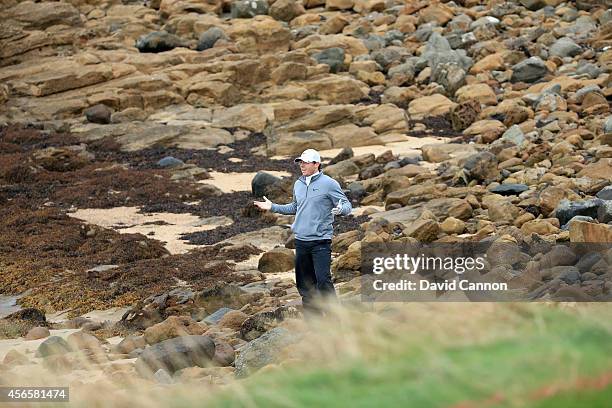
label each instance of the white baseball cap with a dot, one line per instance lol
(310, 156)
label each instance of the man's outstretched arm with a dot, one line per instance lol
(339, 199)
(287, 209)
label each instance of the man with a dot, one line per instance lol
(317, 198)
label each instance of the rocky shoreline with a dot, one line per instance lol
(444, 121)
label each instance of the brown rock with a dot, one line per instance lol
(523, 218)
(368, 6)
(37, 333)
(424, 230)
(452, 225)
(339, 4)
(173, 326)
(84, 341)
(438, 13)
(42, 15)
(488, 63)
(351, 260)
(224, 353)
(337, 89)
(595, 104)
(464, 114)
(277, 260)
(602, 169)
(286, 10)
(550, 197)
(500, 209)
(440, 152)
(288, 71)
(480, 92)
(516, 115)
(583, 231)
(334, 25)
(129, 344)
(213, 92)
(399, 96)
(260, 34)
(540, 227)
(410, 194)
(170, 8)
(233, 319)
(488, 130)
(351, 136)
(342, 169)
(246, 116)
(434, 105)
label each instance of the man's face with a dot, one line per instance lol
(308, 168)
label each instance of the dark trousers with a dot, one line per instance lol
(312, 272)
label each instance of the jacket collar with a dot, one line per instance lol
(303, 178)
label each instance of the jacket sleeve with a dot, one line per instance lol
(286, 209)
(336, 195)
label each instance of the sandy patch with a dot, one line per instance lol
(232, 182)
(165, 227)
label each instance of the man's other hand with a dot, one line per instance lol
(337, 209)
(264, 205)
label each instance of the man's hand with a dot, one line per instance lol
(264, 205)
(337, 209)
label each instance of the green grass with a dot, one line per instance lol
(559, 348)
(578, 398)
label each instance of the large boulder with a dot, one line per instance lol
(276, 260)
(175, 354)
(99, 113)
(39, 332)
(54, 345)
(583, 231)
(85, 341)
(263, 351)
(263, 184)
(35, 15)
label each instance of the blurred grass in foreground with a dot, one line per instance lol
(427, 355)
(555, 347)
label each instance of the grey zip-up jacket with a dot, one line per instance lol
(312, 205)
